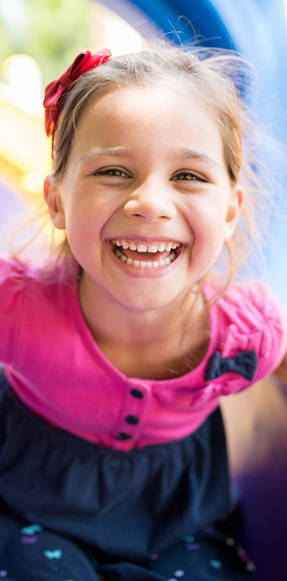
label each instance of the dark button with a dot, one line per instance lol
(132, 420)
(123, 436)
(137, 393)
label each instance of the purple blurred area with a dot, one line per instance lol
(10, 206)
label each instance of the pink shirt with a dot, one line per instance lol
(56, 369)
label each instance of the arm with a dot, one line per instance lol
(281, 371)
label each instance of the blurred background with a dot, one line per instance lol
(38, 41)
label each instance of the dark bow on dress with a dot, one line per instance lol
(244, 364)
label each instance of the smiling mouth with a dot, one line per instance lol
(146, 254)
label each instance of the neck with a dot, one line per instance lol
(111, 321)
(148, 344)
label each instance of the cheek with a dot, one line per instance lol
(80, 227)
(207, 221)
(208, 232)
(86, 220)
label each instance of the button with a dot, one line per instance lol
(137, 393)
(132, 420)
(123, 436)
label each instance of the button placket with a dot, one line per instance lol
(122, 436)
(133, 411)
(137, 393)
(132, 420)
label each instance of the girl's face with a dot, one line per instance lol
(145, 200)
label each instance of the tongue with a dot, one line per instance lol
(146, 256)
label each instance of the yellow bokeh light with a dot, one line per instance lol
(32, 182)
(23, 76)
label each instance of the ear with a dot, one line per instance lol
(234, 211)
(54, 202)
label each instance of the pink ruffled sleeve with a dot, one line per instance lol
(12, 284)
(251, 319)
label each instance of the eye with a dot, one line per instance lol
(188, 177)
(112, 171)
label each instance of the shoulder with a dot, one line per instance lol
(17, 273)
(250, 318)
(13, 279)
(19, 278)
(13, 276)
(31, 300)
(250, 306)
(11, 268)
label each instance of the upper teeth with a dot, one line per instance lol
(142, 247)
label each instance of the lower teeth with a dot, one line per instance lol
(145, 264)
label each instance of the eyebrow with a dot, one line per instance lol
(112, 151)
(192, 154)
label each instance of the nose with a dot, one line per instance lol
(150, 201)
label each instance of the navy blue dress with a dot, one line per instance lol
(71, 510)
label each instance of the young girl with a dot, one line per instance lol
(112, 451)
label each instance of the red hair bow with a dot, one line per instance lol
(53, 102)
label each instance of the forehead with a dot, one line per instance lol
(135, 115)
